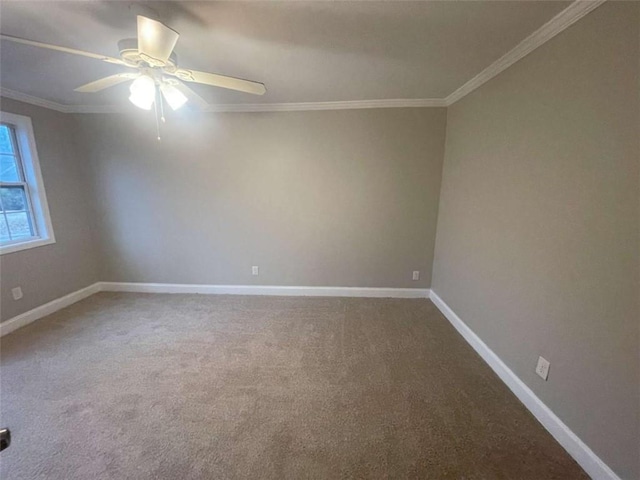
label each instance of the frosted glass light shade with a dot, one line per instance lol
(143, 92)
(174, 97)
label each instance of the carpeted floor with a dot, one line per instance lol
(138, 386)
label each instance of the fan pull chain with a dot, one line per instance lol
(155, 106)
(161, 107)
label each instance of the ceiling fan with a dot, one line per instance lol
(157, 75)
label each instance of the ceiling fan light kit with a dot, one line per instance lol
(145, 89)
(158, 76)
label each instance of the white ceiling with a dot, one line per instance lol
(318, 51)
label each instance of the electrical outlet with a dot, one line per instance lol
(416, 275)
(542, 369)
(17, 293)
(255, 270)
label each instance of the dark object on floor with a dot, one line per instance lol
(5, 438)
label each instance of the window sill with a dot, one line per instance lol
(16, 247)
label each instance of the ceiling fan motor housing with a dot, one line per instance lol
(131, 56)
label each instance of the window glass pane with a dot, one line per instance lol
(4, 231)
(8, 169)
(21, 221)
(13, 198)
(19, 225)
(5, 140)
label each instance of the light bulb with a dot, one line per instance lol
(174, 97)
(143, 92)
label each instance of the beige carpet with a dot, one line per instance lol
(135, 386)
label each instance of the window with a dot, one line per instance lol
(24, 215)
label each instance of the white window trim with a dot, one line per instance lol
(33, 176)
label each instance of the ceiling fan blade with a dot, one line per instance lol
(106, 82)
(200, 102)
(73, 51)
(155, 41)
(222, 81)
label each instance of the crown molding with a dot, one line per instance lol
(284, 107)
(40, 102)
(101, 108)
(563, 20)
(574, 12)
(345, 105)
(239, 107)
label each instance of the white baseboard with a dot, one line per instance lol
(586, 458)
(47, 309)
(264, 290)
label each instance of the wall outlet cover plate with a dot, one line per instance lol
(542, 369)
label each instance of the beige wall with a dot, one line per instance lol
(51, 271)
(537, 243)
(334, 198)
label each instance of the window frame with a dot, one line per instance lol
(24, 141)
